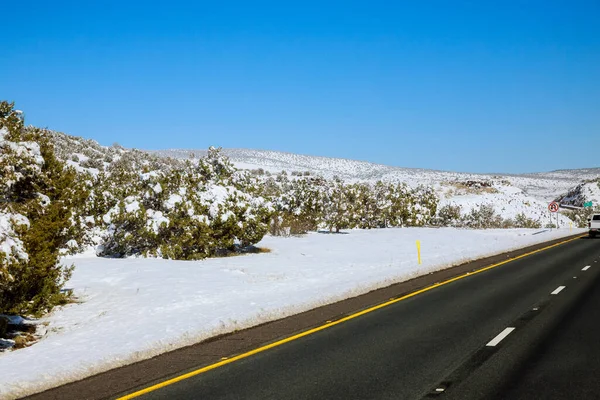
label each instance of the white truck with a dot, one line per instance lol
(594, 224)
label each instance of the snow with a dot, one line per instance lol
(229, 214)
(19, 219)
(9, 242)
(80, 169)
(173, 200)
(15, 319)
(44, 200)
(107, 218)
(131, 205)
(82, 157)
(133, 309)
(156, 219)
(27, 149)
(215, 196)
(28, 152)
(148, 175)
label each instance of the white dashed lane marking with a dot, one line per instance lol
(586, 268)
(558, 290)
(494, 342)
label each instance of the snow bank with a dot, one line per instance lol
(133, 309)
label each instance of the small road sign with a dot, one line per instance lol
(553, 207)
(588, 204)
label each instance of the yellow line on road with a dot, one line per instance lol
(327, 325)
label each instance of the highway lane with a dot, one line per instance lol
(404, 350)
(565, 363)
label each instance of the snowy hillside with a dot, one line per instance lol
(588, 191)
(544, 185)
(509, 194)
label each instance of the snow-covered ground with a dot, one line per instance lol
(133, 309)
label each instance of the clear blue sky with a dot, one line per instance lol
(482, 86)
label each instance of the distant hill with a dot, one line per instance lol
(544, 186)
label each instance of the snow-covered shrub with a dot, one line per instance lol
(483, 217)
(580, 217)
(307, 203)
(338, 204)
(298, 204)
(367, 213)
(449, 215)
(127, 233)
(423, 207)
(400, 205)
(92, 163)
(188, 212)
(522, 221)
(508, 223)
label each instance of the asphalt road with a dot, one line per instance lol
(565, 363)
(438, 343)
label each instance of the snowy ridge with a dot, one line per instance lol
(543, 185)
(88, 155)
(509, 194)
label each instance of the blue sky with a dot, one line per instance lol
(481, 86)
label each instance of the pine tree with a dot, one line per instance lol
(39, 188)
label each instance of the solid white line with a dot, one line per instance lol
(558, 290)
(586, 268)
(500, 337)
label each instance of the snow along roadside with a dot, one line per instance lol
(134, 309)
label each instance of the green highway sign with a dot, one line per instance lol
(588, 204)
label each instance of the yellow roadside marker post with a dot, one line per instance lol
(419, 251)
